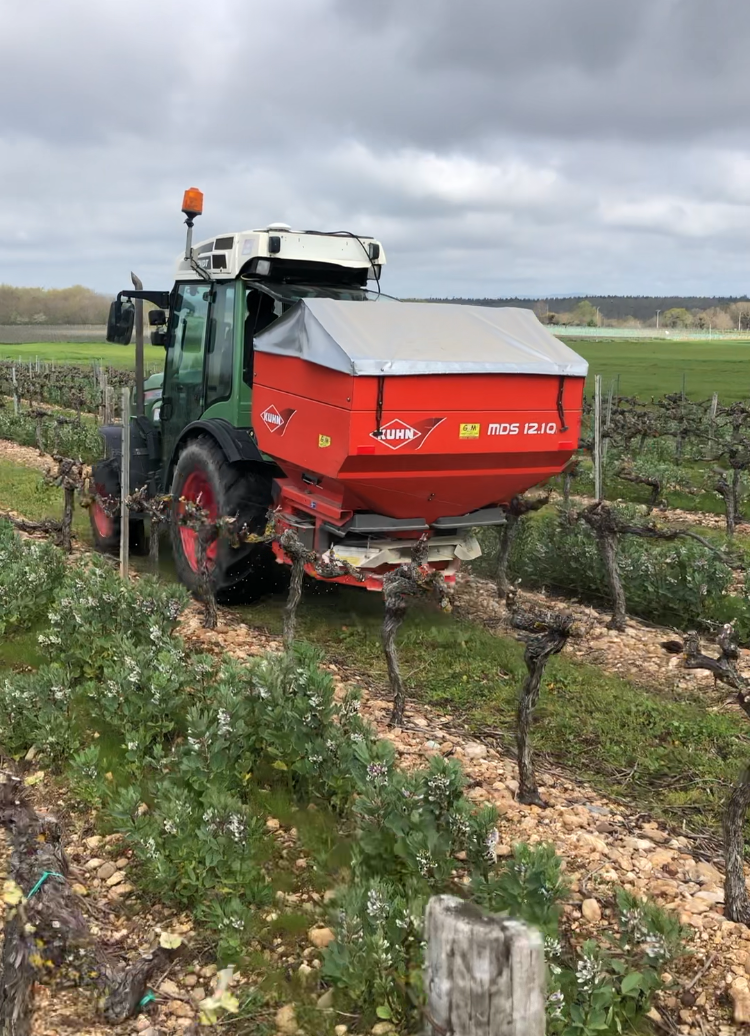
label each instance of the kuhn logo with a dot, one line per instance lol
(275, 421)
(396, 433)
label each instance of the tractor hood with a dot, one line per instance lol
(418, 338)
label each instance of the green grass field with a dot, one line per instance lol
(653, 367)
(70, 352)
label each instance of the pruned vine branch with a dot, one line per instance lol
(46, 934)
(301, 556)
(545, 633)
(725, 671)
(411, 580)
(507, 532)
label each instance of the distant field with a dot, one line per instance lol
(646, 367)
(653, 367)
(72, 352)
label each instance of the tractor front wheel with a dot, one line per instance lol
(204, 475)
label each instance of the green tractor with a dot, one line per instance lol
(194, 438)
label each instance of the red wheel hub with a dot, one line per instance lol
(198, 489)
(104, 525)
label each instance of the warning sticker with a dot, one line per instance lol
(469, 431)
(324, 440)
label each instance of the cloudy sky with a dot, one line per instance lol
(496, 147)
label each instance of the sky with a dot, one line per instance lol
(495, 147)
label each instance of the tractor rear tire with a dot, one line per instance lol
(203, 474)
(105, 530)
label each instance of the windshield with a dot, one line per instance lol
(294, 292)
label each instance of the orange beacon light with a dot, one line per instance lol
(192, 202)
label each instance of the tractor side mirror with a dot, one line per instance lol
(157, 317)
(120, 322)
(160, 338)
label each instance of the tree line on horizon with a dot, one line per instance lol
(54, 306)
(718, 313)
(81, 305)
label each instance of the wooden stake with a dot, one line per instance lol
(598, 436)
(712, 423)
(484, 974)
(125, 485)
(139, 373)
(103, 393)
(608, 418)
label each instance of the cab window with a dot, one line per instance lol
(220, 348)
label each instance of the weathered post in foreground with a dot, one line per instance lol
(484, 974)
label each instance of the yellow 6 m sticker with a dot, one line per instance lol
(324, 440)
(469, 431)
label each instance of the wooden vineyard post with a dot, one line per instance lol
(608, 418)
(139, 372)
(598, 436)
(125, 484)
(103, 388)
(15, 390)
(712, 423)
(484, 974)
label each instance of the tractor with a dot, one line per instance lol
(293, 384)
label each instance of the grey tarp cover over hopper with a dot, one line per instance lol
(418, 338)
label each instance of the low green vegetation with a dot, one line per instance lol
(29, 576)
(75, 387)
(54, 433)
(183, 753)
(685, 487)
(673, 757)
(681, 583)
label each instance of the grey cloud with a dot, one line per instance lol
(495, 146)
(577, 69)
(82, 71)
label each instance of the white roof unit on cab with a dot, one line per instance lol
(228, 255)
